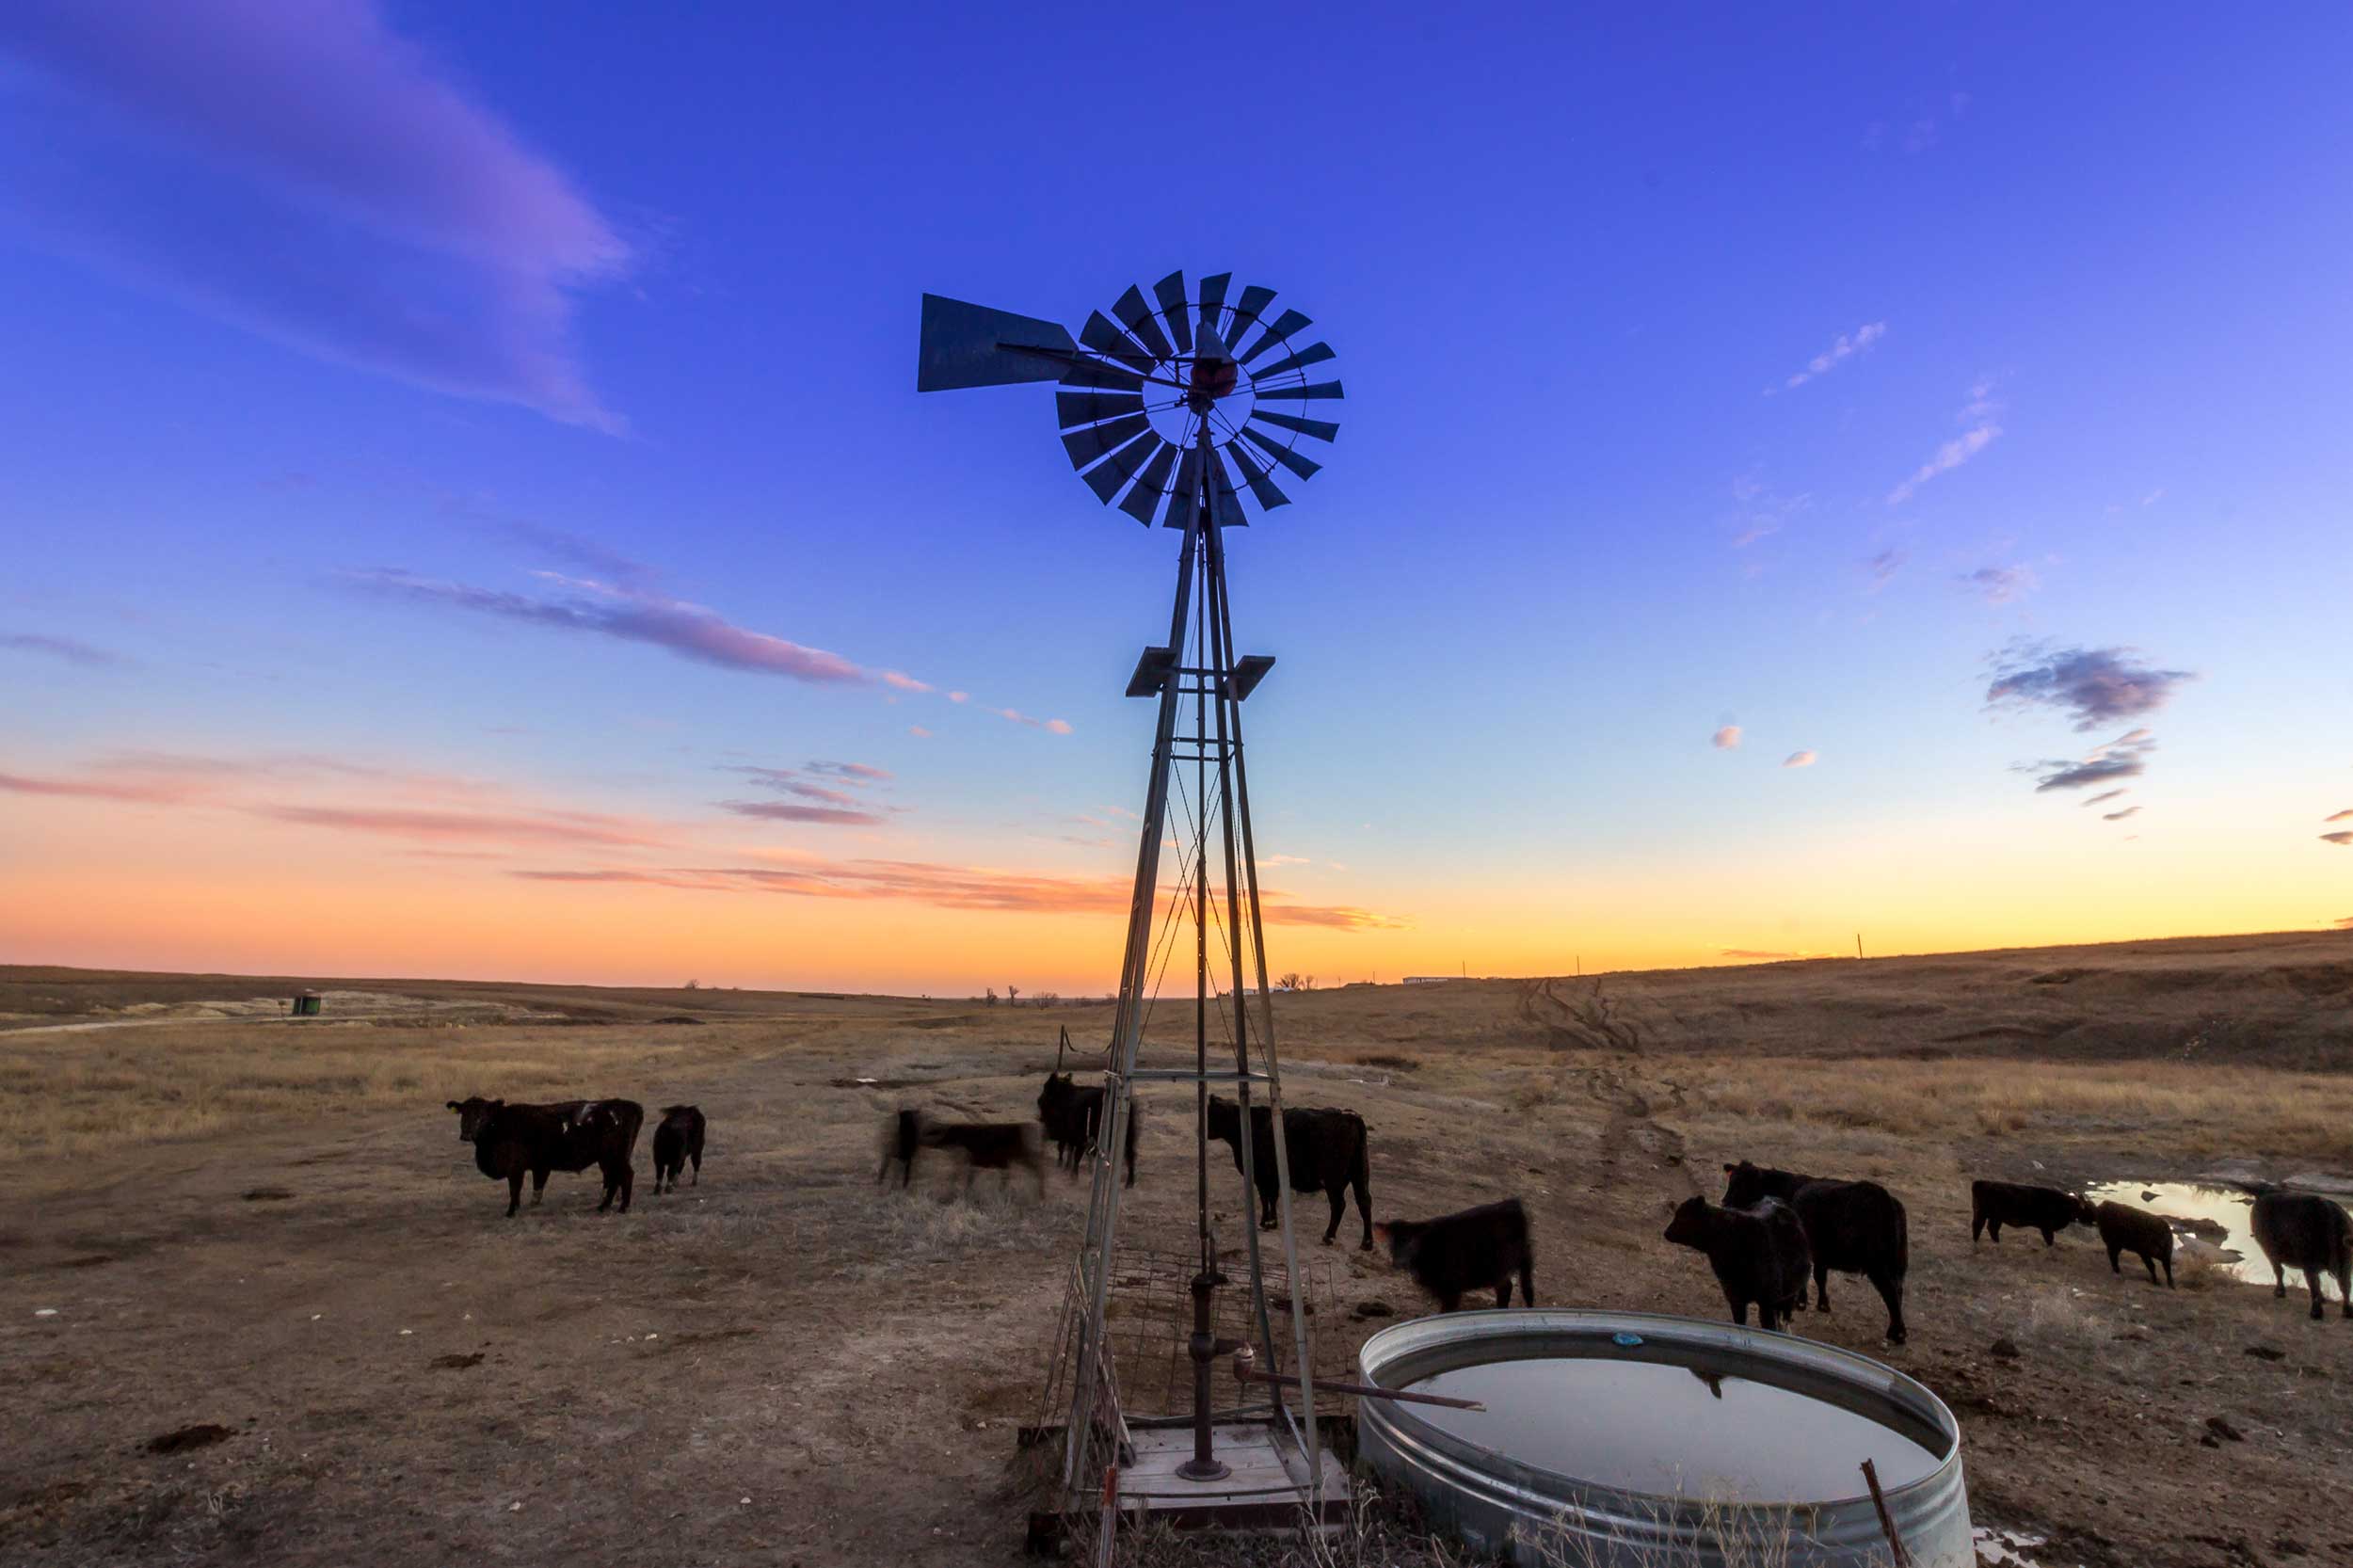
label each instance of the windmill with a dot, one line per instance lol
(1171, 408)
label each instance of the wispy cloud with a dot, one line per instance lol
(944, 887)
(631, 615)
(858, 772)
(71, 649)
(152, 792)
(2339, 816)
(2344, 923)
(577, 828)
(1981, 415)
(1799, 759)
(401, 227)
(1884, 567)
(1058, 727)
(1999, 584)
(1762, 511)
(2094, 686)
(2126, 757)
(1847, 345)
(2105, 796)
(1761, 954)
(2120, 816)
(1726, 739)
(2337, 837)
(828, 816)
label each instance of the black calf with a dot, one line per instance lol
(1995, 1203)
(1759, 1255)
(1456, 1253)
(1329, 1152)
(677, 1138)
(2135, 1230)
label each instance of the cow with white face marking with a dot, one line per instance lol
(511, 1140)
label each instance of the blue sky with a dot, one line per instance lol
(331, 325)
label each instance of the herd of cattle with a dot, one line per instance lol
(1773, 1230)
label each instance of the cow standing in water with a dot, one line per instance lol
(510, 1140)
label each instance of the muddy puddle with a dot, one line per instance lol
(2209, 1221)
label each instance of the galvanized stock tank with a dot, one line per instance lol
(1628, 1439)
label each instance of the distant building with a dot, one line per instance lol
(1430, 979)
(307, 1004)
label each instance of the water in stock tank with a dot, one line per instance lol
(1635, 1438)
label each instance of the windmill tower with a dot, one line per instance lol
(1170, 407)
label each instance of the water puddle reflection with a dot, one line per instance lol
(2209, 1222)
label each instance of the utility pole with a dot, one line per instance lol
(1858, 945)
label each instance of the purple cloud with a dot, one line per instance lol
(2094, 686)
(1999, 584)
(2126, 757)
(776, 811)
(2120, 816)
(2340, 816)
(2106, 795)
(632, 615)
(2337, 837)
(856, 771)
(1726, 739)
(295, 167)
(1884, 567)
(71, 649)
(1799, 759)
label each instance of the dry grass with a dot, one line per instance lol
(64, 1097)
(2184, 1108)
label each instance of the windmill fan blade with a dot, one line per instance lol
(1320, 389)
(1137, 316)
(1305, 357)
(1316, 427)
(1224, 506)
(1213, 298)
(1247, 309)
(1145, 498)
(1291, 322)
(1170, 292)
(1086, 445)
(1261, 486)
(971, 346)
(1304, 468)
(1088, 373)
(1086, 408)
(1108, 341)
(1106, 477)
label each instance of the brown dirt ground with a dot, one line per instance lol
(790, 1365)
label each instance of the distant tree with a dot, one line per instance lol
(992, 996)
(1308, 984)
(1050, 998)
(1289, 981)
(1013, 995)
(694, 984)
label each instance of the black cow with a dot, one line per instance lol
(2302, 1230)
(903, 1138)
(1995, 1203)
(1073, 1118)
(2124, 1229)
(1855, 1228)
(510, 1140)
(1456, 1253)
(1329, 1152)
(989, 1146)
(677, 1138)
(1761, 1182)
(1759, 1255)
